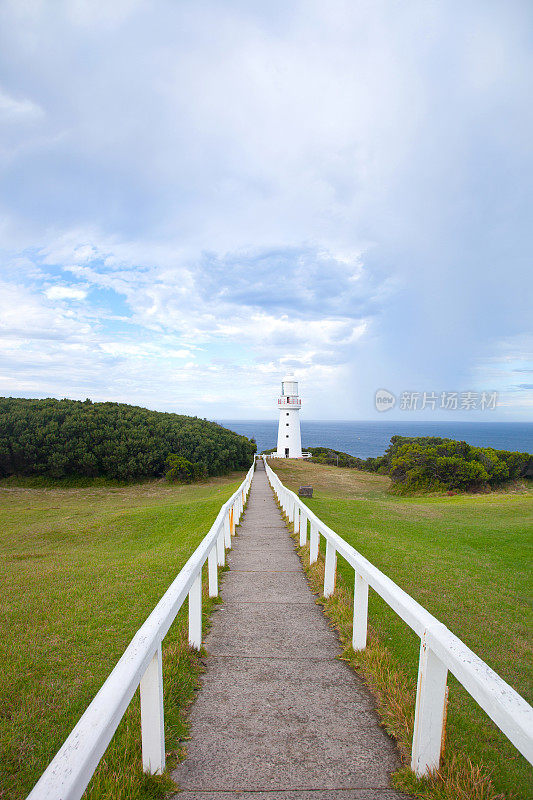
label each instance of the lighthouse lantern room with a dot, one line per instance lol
(289, 404)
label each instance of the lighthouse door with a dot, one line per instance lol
(286, 452)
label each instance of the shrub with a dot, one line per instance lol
(326, 455)
(426, 463)
(184, 471)
(429, 463)
(60, 438)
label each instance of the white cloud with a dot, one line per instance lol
(23, 314)
(176, 300)
(65, 293)
(14, 109)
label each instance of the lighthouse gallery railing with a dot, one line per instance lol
(440, 649)
(71, 769)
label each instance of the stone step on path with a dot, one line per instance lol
(278, 716)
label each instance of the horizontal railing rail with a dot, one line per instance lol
(71, 769)
(275, 455)
(440, 650)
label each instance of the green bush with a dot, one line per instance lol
(60, 438)
(179, 469)
(326, 455)
(429, 463)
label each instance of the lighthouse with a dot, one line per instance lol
(289, 404)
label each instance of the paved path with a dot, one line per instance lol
(278, 716)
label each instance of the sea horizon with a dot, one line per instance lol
(370, 438)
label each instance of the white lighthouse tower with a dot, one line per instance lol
(289, 404)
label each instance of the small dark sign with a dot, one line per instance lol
(305, 491)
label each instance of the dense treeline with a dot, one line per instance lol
(59, 438)
(431, 463)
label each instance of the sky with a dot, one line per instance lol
(199, 197)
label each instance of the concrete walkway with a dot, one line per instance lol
(278, 716)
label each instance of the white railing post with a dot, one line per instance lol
(429, 711)
(296, 526)
(330, 569)
(360, 613)
(195, 612)
(212, 569)
(314, 540)
(292, 506)
(303, 528)
(227, 532)
(152, 716)
(221, 552)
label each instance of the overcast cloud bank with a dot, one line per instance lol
(198, 197)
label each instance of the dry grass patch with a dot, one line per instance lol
(337, 481)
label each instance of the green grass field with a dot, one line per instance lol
(82, 569)
(467, 559)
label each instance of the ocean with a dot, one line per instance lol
(370, 439)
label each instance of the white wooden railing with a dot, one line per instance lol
(71, 769)
(275, 455)
(440, 649)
